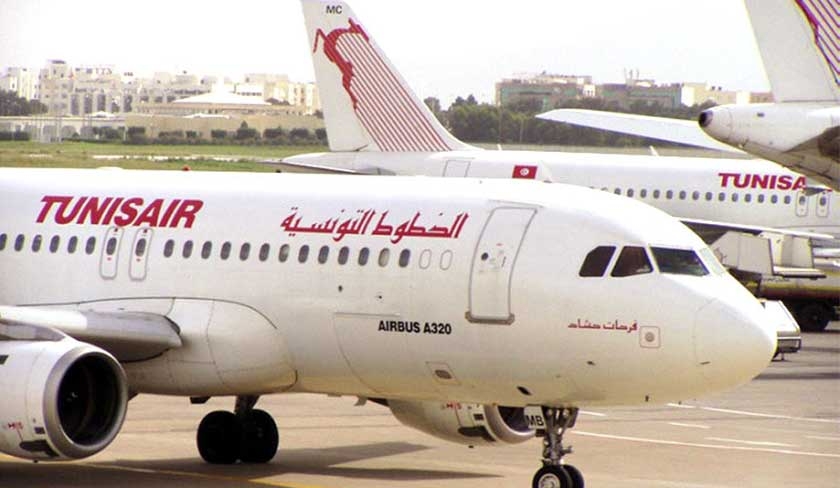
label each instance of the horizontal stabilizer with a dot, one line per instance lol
(680, 131)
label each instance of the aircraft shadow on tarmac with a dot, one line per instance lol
(288, 461)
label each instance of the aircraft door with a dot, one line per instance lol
(140, 254)
(110, 253)
(802, 202)
(456, 168)
(493, 262)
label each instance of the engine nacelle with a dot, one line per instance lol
(60, 398)
(465, 423)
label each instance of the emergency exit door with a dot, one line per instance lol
(493, 264)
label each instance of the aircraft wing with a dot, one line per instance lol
(665, 129)
(292, 165)
(129, 336)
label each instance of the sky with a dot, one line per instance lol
(444, 48)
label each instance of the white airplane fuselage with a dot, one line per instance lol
(471, 290)
(745, 192)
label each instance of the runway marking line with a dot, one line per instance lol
(705, 446)
(691, 426)
(822, 438)
(751, 443)
(756, 414)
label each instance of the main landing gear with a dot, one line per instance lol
(246, 434)
(555, 474)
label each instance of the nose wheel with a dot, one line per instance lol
(555, 474)
(247, 434)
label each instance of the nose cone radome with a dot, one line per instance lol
(732, 344)
(717, 122)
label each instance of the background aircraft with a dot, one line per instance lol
(799, 41)
(457, 303)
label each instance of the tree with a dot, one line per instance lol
(13, 105)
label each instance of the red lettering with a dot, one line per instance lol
(742, 181)
(111, 211)
(129, 212)
(150, 214)
(163, 222)
(799, 184)
(760, 181)
(62, 219)
(187, 212)
(48, 203)
(725, 177)
(772, 183)
(785, 182)
(93, 211)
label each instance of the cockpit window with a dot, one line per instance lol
(596, 261)
(679, 261)
(632, 261)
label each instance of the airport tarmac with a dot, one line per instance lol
(781, 429)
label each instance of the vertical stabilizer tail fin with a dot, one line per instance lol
(367, 104)
(799, 41)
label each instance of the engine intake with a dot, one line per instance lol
(62, 399)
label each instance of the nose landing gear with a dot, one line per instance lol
(555, 474)
(247, 434)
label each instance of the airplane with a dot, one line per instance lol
(799, 42)
(457, 303)
(377, 125)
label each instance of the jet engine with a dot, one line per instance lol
(465, 423)
(60, 398)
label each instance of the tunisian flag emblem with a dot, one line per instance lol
(524, 171)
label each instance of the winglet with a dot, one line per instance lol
(799, 41)
(367, 104)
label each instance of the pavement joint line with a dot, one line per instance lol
(822, 438)
(594, 414)
(705, 446)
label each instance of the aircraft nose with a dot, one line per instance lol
(733, 343)
(717, 122)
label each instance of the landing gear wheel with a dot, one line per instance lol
(552, 477)
(574, 475)
(218, 437)
(813, 317)
(259, 437)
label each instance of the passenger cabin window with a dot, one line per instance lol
(55, 242)
(265, 250)
(3, 238)
(168, 248)
(283, 255)
(632, 261)
(36, 243)
(72, 244)
(187, 250)
(323, 254)
(20, 240)
(225, 251)
(343, 255)
(206, 250)
(111, 246)
(244, 251)
(384, 257)
(596, 262)
(90, 245)
(303, 254)
(678, 261)
(405, 257)
(364, 255)
(140, 248)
